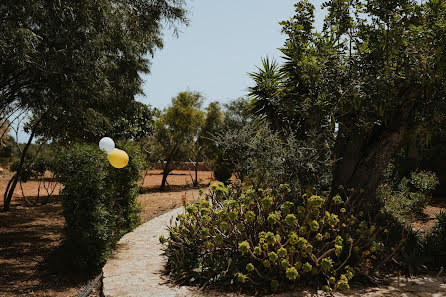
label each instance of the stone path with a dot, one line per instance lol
(135, 271)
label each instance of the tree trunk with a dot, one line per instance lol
(362, 157)
(166, 171)
(197, 158)
(16, 177)
(167, 167)
(164, 180)
(196, 174)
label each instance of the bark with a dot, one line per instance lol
(197, 158)
(196, 174)
(167, 167)
(164, 180)
(362, 157)
(16, 177)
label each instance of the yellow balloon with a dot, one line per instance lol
(118, 158)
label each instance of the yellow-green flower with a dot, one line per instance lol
(243, 247)
(272, 256)
(249, 267)
(314, 225)
(291, 273)
(291, 220)
(224, 225)
(282, 252)
(326, 263)
(270, 238)
(257, 251)
(250, 216)
(307, 267)
(241, 277)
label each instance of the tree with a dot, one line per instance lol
(75, 66)
(376, 71)
(200, 144)
(177, 124)
(237, 114)
(4, 136)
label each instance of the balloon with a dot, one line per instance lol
(118, 158)
(107, 144)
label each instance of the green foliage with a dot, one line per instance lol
(99, 201)
(241, 246)
(223, 169)
(407, 199)
(237, 114)
(372, 75)
(200, 144)
(7, 150)
(52, 54)
(435, 243)
(34, 169)
(177, 124)
(424, 181)
(263, 157)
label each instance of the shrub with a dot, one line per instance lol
(222, 169)
(260, 240)
(408, 199)
(435, 243)
(264, 157)
(31, 169)
(99, 202)
(424, 181)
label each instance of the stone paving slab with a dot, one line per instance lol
(135, 270)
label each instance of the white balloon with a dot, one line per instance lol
(107, 144)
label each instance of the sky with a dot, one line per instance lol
(213, 55)
(224, 41)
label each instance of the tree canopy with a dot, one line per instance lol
(75, 65)
(376, 71)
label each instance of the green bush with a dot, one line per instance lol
(260, 240)
(222, 169)
(424, 181)
(99, 202)
(32, 169)
(435, 243)
(407, 199)
(263, 157)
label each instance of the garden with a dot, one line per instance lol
(329, 175)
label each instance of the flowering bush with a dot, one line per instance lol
(261, 240)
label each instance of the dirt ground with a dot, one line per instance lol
(436, 206)
(31, 251)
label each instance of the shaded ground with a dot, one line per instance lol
(31, 252)
(436, 206)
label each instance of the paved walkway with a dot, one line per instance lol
(135, 271)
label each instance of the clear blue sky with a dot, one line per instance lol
(224, 41)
